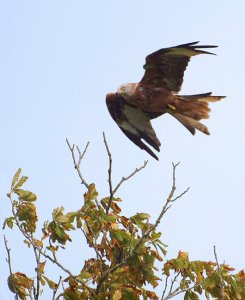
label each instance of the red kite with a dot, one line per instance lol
(134, 105)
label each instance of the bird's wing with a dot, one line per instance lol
(165, 67)
(134, 123)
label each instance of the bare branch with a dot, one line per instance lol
(113, 191)
(76, 162)
(38, 261)
(9, 261)
(8, 252)
(109, 173)
(57, 287)
(165, 287)
(166, 206)
(67, 271)
(178, 291)
(129, 176)
(173, 282)
(220, 275)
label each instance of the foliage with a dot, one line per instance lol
(126, 252)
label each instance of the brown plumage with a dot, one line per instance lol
(135, 104)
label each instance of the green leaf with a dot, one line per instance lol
(16, 177)
(190, 295)
(91, 193)
(156, 235)
(84, 275)
(164, 251)
(22, 180)
(79, 222)
(50, 283)
(25, 195)
(117, 235)
(142, 216)
(9, 222)
(62, 219)
(57, 212)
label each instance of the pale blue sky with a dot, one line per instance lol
(60, 58)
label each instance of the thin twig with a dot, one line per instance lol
(173, 282)
(95, 246)
(9, 262)
(8, 252)
(68, 272)
(166, 206)
(165, 287)
(109, 173)
(220, 275)
(178, 291)
(37, 257)
(111, 190)
(78, 163)
(129, 176)
(56, 289)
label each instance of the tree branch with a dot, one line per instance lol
(67, 271)
(111, 190)
(76, 162)
(9, 262)
(56, 289)
(220, 275)
(8, 253)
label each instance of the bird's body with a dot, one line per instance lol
(135, 104)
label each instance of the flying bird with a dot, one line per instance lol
(134, 105)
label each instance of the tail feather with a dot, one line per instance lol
(191, 124)
(195, 106)
(206, 97)
(190, 109)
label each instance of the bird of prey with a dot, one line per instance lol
(134, 105)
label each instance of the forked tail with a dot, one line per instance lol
(189, 109)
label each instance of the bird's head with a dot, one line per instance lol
(127, 89)
(110, 97)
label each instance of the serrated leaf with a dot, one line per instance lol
(91, 193)
(9, 222)
(156, 235)
(22, 180)
(79, 222)
(62, 219)
(164, 252)
(142, 216)
(25, 195)
(84, 275)
(50, 283)
(16, 177)
(40, 268)
(115, 207)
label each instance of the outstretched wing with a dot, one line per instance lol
(134, 123)
(165, 67)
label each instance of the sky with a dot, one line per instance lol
(58, 61)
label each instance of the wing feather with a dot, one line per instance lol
(166, 67)
(134, 123)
